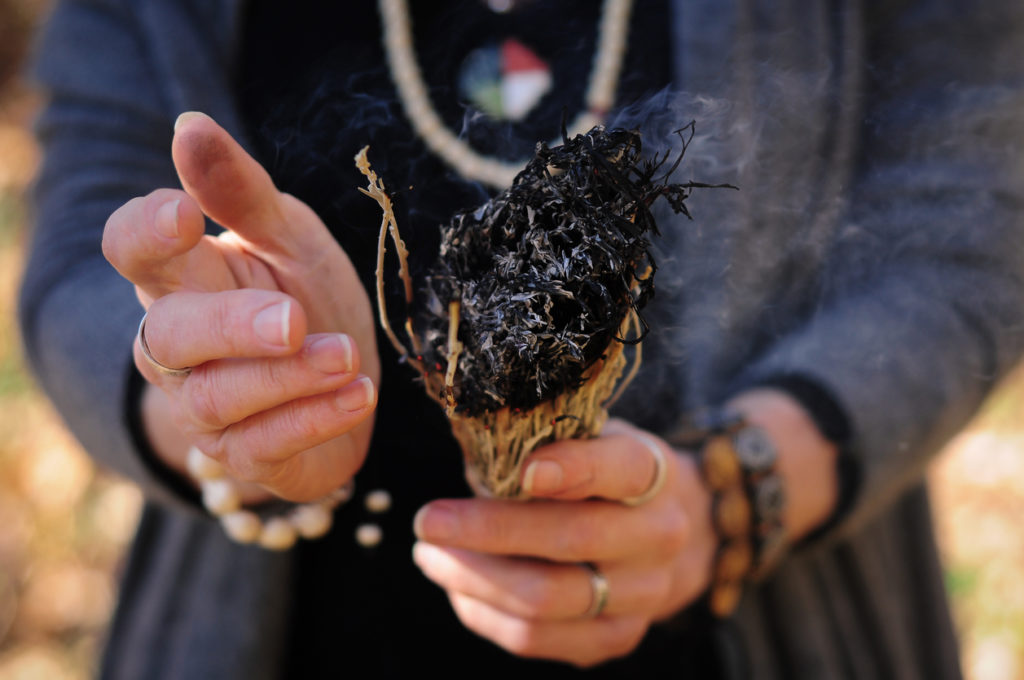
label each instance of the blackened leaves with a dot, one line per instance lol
(547, 271)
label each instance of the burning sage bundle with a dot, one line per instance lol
(521, 326)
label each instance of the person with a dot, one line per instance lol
(854, 302)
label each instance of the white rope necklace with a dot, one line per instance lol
(408, 79)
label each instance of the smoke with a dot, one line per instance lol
(743, 271)
(845, 162)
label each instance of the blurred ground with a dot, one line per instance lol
(64, 526)
(978, 493)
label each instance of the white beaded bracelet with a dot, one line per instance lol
(223, 499)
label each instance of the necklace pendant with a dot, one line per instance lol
(414, 94)
(505, 81)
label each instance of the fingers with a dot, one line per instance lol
(220, 394)
(260, 393)
(189, 329)
(292, 424)
(235, 191)
(582, 642)
(147, 238)
(229, 185)
(615, 466)
(539, 590)
(582, 531)
(259, 445)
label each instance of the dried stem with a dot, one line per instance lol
(633, 323)
(375, 190)
(454, 349)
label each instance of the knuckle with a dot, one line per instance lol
(579, 469)
(238, 460)
(202, 400)
(538, 596)
(269, 376)
(495, 527)
(266, 377)
(214, 446)
(580, 541)
(224, 323)
(298, 424)
(672, 532)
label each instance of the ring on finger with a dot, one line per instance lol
(660, 471)
(166, 371)
(599, 590)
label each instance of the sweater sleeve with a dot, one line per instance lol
(105, 133)
(923, 299)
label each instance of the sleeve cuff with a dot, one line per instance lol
(170, 479)
(834, 425)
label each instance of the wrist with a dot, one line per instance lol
(806, 460)
(772, 478)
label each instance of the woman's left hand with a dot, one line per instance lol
(516, 573)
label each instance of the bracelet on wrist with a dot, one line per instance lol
(222, 498)
(737, 461)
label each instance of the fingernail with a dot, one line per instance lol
(186, 116)
(273, 324)
(435, 523)
(543, 476)
(357, 396)
(423, 554)
(331, 354)
(166, 219)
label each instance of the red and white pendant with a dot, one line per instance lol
(505, 81)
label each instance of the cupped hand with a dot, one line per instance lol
(270, 315)
(514, 571)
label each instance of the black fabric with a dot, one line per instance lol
(313, 88)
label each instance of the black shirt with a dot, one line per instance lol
(314, 88)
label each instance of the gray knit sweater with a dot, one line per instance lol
(876, 249)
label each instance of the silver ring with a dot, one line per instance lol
(660, 471)
(599, 591)
(157, 366)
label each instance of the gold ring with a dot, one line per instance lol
(598, 590)
(660, 471)
(166, 371)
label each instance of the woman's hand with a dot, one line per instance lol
(515, 573)
(513, 570)
(270, 316)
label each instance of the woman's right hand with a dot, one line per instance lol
(270, 315)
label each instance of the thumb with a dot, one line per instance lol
(234, 190)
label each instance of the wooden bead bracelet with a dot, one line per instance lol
(223, 499)
(737, 461)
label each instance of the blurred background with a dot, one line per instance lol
(64, 525)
